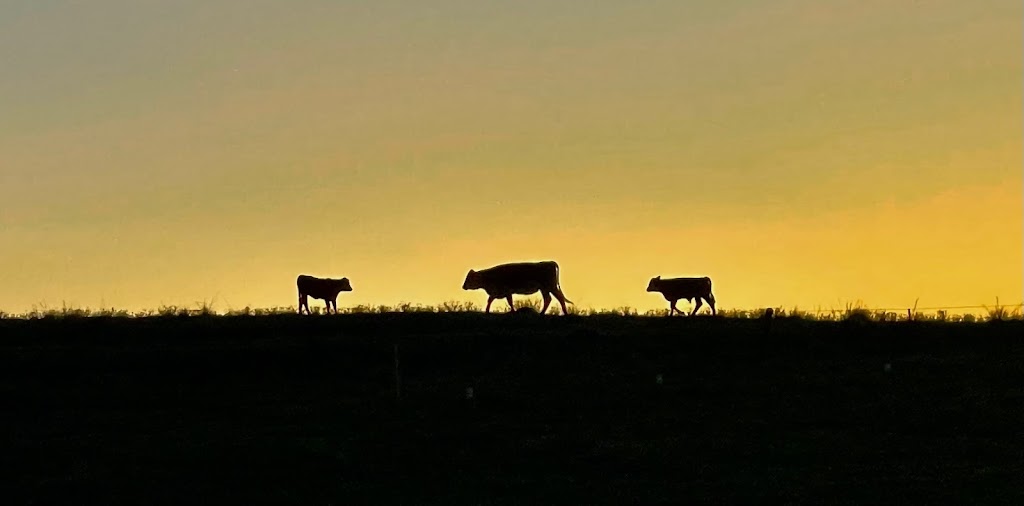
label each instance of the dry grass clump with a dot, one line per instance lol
(856, 312)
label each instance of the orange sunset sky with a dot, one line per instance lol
(798, 152)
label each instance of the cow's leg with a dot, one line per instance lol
(490, 299)
(333, 302)
(511, 307)
(696, 306)
(547, 301)
(672, 307)
(303, 302)
(711, 302)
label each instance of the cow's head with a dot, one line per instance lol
(344, 285)
(472, 281)
(653, 286)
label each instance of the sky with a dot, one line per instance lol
(798, 152)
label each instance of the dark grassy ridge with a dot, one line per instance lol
(289, 410)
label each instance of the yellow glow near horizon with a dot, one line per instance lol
(800, 154)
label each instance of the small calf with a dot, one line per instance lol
(324, 289)
(674, 289)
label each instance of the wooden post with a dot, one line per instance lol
(398, 377)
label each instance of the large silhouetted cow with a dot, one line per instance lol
(524, 278)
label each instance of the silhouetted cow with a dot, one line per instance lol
(502, 281)
(324, 289)
(683, 288)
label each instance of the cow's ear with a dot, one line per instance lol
(657, 277)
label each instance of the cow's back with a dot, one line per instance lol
(310, 285)
(520, 277)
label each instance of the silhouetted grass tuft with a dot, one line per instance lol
(527, 302)
(999, 312)
(454, 306)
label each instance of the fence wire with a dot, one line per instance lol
(985, 307)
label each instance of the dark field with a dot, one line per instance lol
(290, 410)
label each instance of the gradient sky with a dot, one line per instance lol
(799, 152)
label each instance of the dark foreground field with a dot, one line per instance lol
(288, 410)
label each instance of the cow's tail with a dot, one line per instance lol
(558, 285)
(566, 299)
